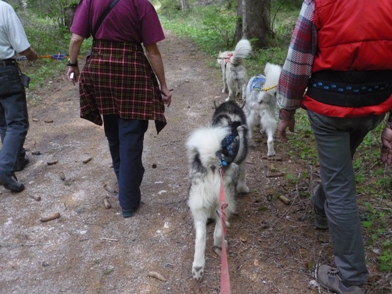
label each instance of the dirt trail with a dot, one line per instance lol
(92, 249)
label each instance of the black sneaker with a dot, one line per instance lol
(10, 182)
(21, 163)
(328, 277)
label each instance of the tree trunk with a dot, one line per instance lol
(254, 22)
(69, 13)
(184, 5)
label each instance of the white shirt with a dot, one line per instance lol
(13, 37)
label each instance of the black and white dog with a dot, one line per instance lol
(261, 104)
(222, 144)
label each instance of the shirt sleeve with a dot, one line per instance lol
(298, 65)
(151, 29)
(16, 34)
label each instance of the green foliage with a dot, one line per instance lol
(54, 10)
(376, 223)
(212, 29)
(46, 38)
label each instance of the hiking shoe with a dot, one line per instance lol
(128, 213)
(320, 220)
(328, 277)
(10, 182)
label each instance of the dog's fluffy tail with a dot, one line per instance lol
(241, 51)
(272, 74)
(204, 142)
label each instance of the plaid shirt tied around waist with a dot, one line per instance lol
(118, 79)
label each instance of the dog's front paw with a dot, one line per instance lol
(198, 272)
(271, 153)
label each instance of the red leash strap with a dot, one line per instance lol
(227, 59)
(225, 279)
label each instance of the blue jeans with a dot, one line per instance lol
(337, 139)
(3, 130)
(125, 138)
(13, 109)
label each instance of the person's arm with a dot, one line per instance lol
(386, 140)
(296, 69)
(74, 49)
(154, 56)
(29, 53)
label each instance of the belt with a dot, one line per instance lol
(349, 95)
(9, 61)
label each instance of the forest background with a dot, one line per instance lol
(213, 26)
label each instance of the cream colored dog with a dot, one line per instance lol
(261, 104)
(234, 74)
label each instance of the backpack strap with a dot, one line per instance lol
(103, 16)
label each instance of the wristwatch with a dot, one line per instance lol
(72, 64)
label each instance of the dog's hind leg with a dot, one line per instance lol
(218, 234)
(251, 122)
(231, 95)
(225, 89)
(243, 92)
(200, 247)
(242, 187)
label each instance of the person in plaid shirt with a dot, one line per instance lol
(120, 85)
(339, 68)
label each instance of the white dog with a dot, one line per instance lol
(210, 149)
(234, 74)
(261, 104)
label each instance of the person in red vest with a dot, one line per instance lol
(339, 68)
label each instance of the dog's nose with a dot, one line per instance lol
(213, 168)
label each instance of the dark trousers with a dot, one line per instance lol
(14, 115)
(337, 139)
(125, 138)
(3, 131)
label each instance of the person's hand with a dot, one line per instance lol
(73, 74)
(386, 148)
(166, 96)
(30, 54)
(283, 125)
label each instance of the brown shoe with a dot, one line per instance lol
(328, 277)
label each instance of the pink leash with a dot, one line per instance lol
(225, 279)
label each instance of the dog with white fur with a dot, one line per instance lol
(216, 155)
(260, 104)
(234, 75)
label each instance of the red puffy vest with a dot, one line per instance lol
(353, 35)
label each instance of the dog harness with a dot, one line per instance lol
(229, 148)
(257, 83)
(227, 59)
